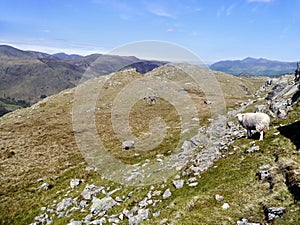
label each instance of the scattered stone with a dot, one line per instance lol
(194, 184)
(178, 183)
(167, 194)
(103, 204)
(156, 214)
(75, 183)
(45, 186)
(192, 179)
(121, 216)
(64, 204)
(177, 177)
(130, 194)
(88, 217)
(143, 203)
(75, 222)
(42, 219)
(156, 193)
(264, 175)
(98, 221)
(245, 222)
(253, 149)
(265, 167)
(39, 180)
(225, 206)
(83, 203)
(113, 220)
(128, 145)
(207, 102)
(274, 212)
(219, 197)
(90, 191)
(143, 214)
(91, 168)
(118, 199)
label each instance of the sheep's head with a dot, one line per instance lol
(240, 117)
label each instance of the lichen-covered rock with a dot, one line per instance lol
(103, 204)
(90, 191)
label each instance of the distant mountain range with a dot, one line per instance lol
(28, 76)
(252, 66)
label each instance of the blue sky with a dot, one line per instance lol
(212, 29)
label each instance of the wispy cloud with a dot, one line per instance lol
(225, 11)
(266, 1)
(229, 10)
(161, 12)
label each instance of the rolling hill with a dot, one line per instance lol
(254, 66)
(30, 76)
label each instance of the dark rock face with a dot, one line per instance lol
(292, 177)
(292, 131)
(297, 72)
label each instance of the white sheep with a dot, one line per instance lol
(254, 121)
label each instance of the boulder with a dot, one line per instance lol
(167, 194)
(128, 145)
(178, 183)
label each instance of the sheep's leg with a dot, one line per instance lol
(248, 133)
(261, 136)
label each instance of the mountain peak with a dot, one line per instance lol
(254, 66)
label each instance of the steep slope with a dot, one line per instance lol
(38, 146)
(254, 67)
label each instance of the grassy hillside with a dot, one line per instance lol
(37, 145)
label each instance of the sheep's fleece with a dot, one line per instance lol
(254, 121)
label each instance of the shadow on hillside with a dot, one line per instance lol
(292, 132)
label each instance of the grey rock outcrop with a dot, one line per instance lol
(103, 204)
(272, 213)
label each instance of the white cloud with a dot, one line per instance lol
(80, 50)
